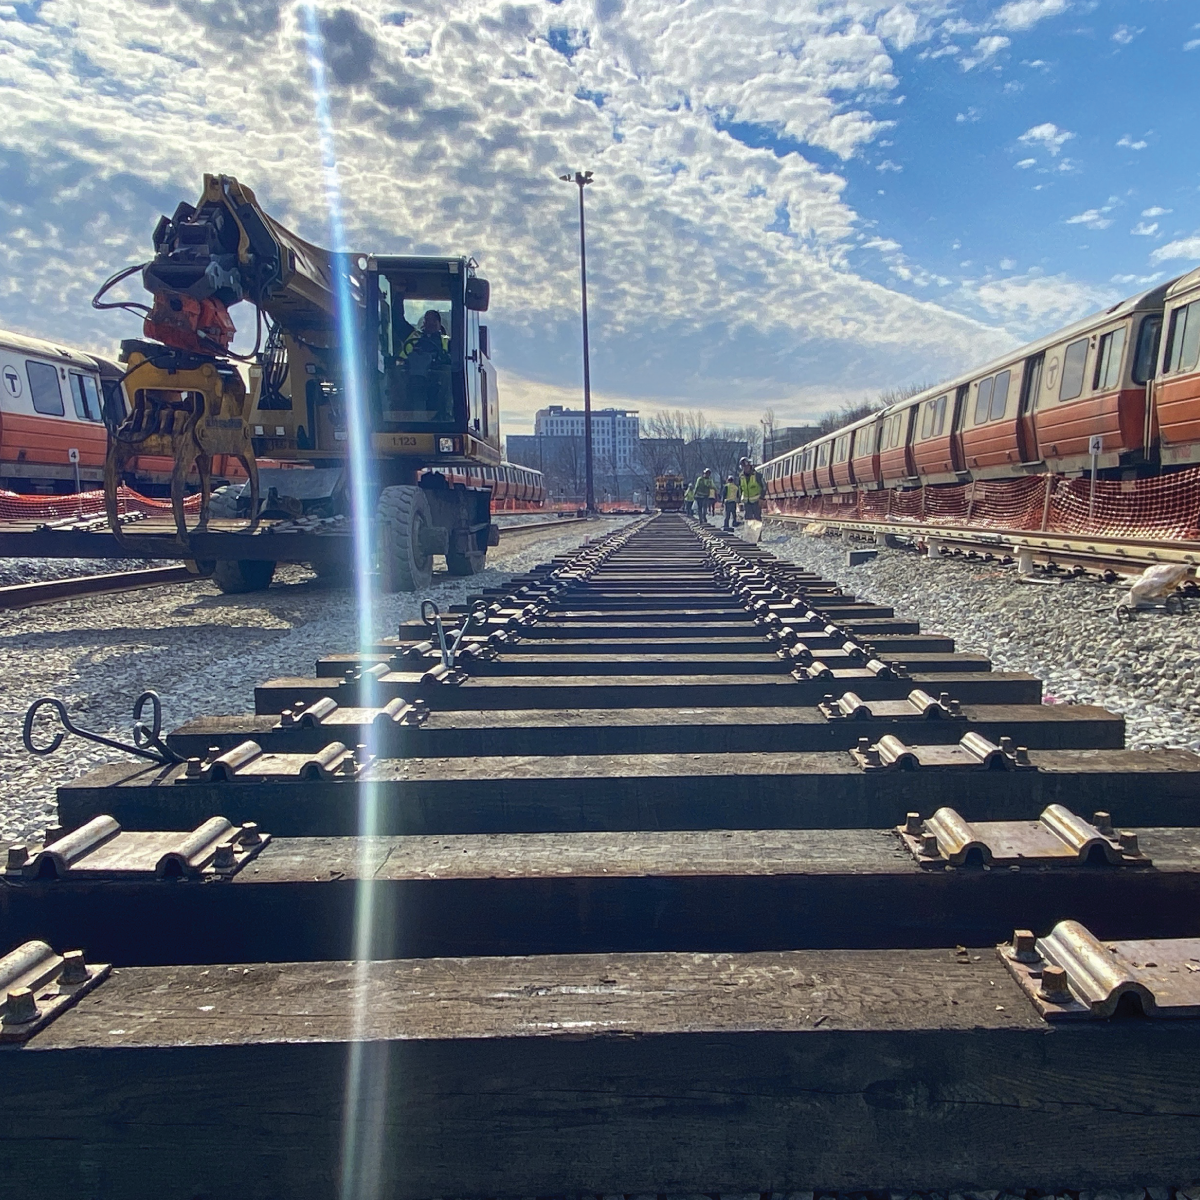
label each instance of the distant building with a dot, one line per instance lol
(780, 441)
(614, 433)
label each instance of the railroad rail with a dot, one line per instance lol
(23, 595)
(686, 872)
(1124, 555)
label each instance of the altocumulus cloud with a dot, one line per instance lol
(722, 270)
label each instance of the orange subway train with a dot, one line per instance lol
(1117, 392)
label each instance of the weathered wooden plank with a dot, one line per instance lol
(648, 691)
(722, 890)
(657, 731)
(651, 791)
(605, 1074)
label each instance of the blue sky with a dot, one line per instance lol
(798, 202)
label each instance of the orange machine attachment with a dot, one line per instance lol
(201, 326)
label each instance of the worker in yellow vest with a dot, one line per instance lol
(689, 499)
(705, 490)
(752, 489)
(730, 493)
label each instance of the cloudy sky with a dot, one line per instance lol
(797, 201)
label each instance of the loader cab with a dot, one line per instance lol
(430, 372)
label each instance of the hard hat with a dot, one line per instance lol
(708, 470)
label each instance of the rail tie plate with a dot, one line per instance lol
(38, 985)
(972, 753)
(101, 849)
(1072, 975)
(1057, 838)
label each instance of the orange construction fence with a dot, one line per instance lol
(15, 506)
(1160, 507)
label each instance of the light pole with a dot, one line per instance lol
(581, 179)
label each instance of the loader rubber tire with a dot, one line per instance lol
(402, 513)
(470, 563)
(234, 576)
(223, 502)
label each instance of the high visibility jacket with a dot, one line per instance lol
(434, 342)
(704, 487)
(689, 495)
(731, 491)
(751, 486)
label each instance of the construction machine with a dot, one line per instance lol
(402, 331)
(668, 493)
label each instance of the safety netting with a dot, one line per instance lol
(1159, 507)
(16, 506)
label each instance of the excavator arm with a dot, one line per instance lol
(225, 249)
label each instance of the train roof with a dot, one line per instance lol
(19, 343)
(1149, 298)
(1184, 283)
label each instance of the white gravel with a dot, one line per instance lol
(203, 652)
(1064, 633)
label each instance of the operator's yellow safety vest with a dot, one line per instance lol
(751, 485)
(689, 495)
(704, 488)
(731, 491)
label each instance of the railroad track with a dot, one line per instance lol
(1095, 552)
(685, 871)
(25, 595)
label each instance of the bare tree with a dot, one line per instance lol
(839, 418)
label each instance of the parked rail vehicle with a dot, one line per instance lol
(514, 488)
(1124, 383)
(402, 330)
(55, 401)
(668, 493)
(52, 402)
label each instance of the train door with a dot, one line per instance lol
(956, 424)
(1031, 386)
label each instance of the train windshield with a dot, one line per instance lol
(416, 323)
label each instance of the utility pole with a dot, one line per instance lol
(581, 179)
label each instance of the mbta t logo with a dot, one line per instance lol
(12, 381)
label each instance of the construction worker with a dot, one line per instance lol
(752, 490)
(731, 501)
(705, 490)
(689, 499)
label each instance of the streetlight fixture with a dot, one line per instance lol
(581, 179)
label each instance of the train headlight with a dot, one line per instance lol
(445, 445)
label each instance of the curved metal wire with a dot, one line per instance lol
(147, 739)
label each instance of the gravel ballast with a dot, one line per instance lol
(1062, 631)
(203, 652)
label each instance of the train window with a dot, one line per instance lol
(1074, 362)
(983, 401)
(1000, 395)
(926, 418)
(823, 454)
(939, 415)
(1183, 346)
(1145, 357)
(1108, 361)
(86, 395)
(44, 389)
(862, 441)
(841, 448)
